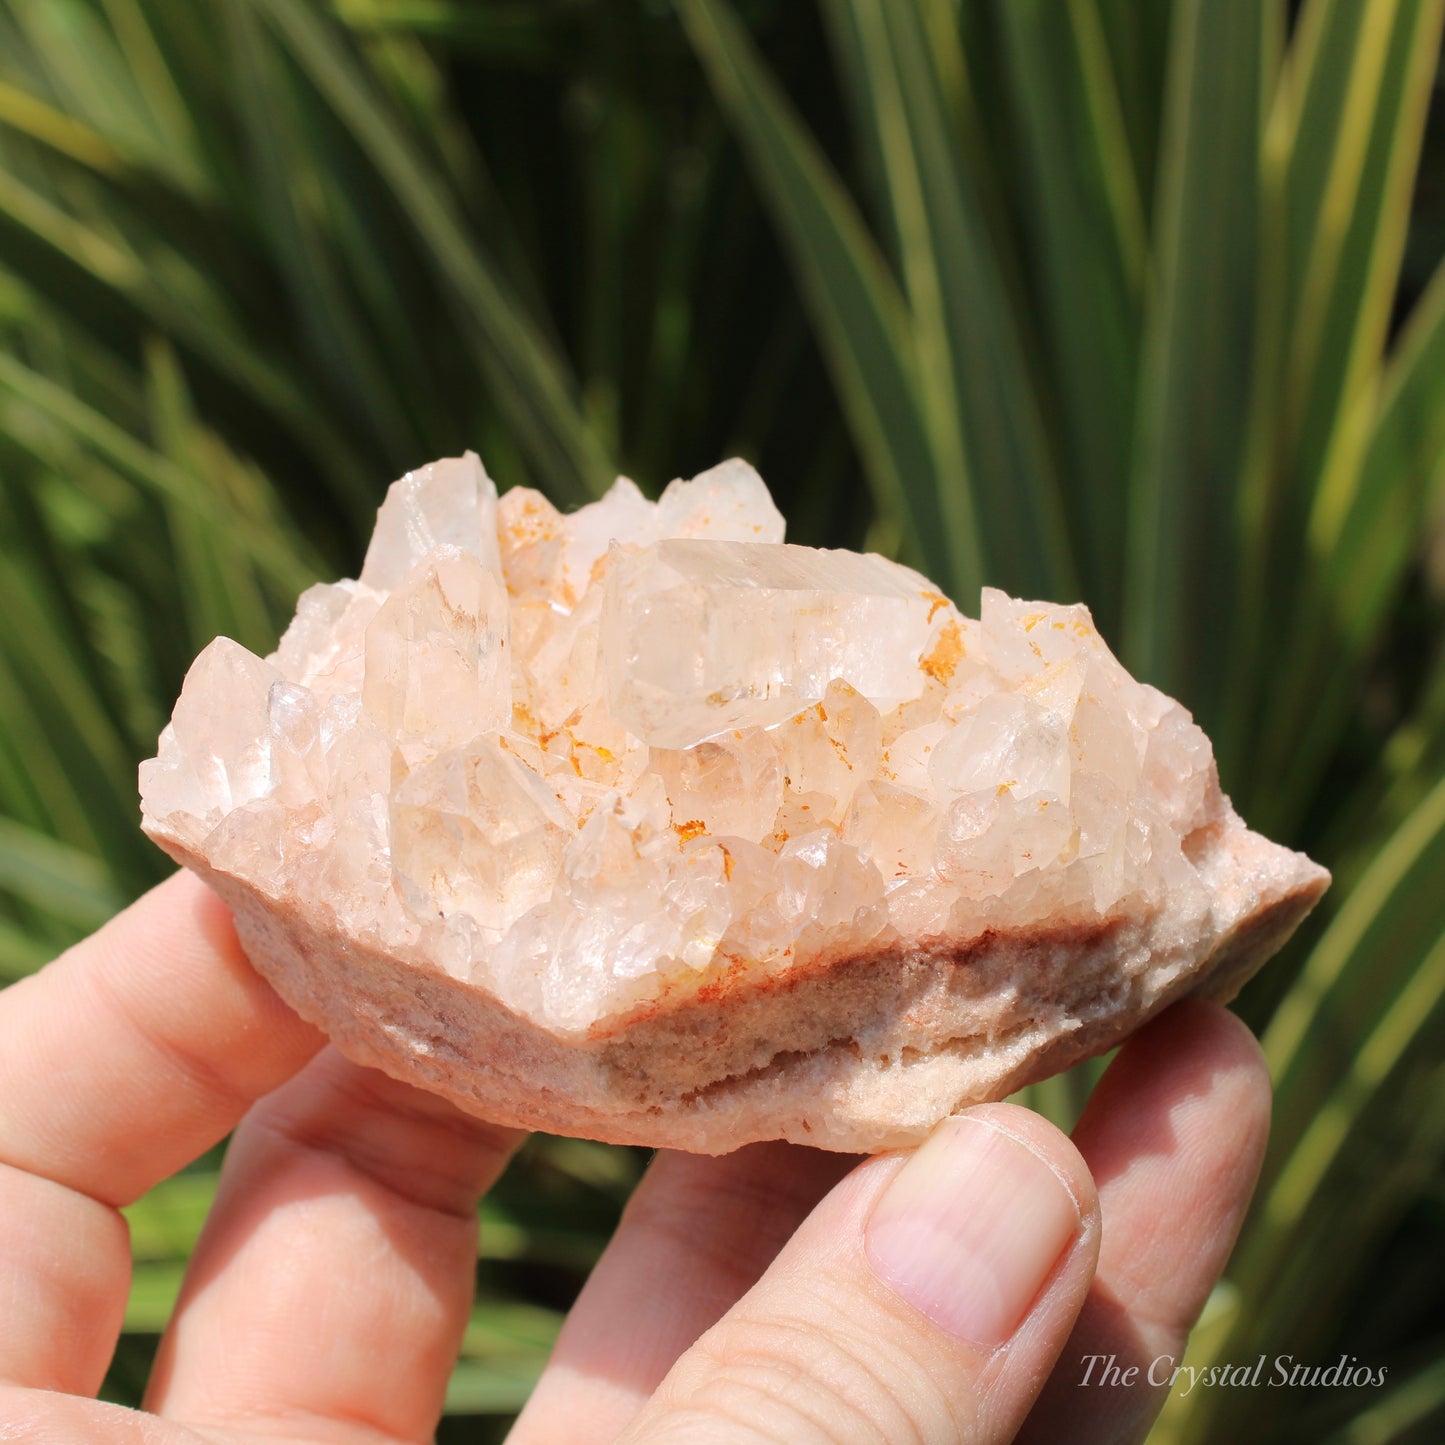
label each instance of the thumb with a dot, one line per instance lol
(926, 1298)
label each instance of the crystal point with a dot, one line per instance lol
(437, 665)
(452, 502)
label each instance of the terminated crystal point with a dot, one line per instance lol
(447, 503)
(642, 824)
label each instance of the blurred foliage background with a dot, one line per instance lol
(1133, 303)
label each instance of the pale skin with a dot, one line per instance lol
(777, 1294)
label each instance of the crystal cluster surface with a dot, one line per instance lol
(586, 760)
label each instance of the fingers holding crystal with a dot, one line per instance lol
(119, 1062)
(140, 1047)
(347, 1200)
(924, 1299)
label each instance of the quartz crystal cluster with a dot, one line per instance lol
(584, 761)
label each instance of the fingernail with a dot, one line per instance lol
(970, 1229)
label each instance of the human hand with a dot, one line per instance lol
(947, 1295)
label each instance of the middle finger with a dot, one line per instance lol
(696, 1235)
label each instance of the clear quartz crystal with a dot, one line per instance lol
(436, 665)
(476, 831)
(582, 759)
(701, 636)
(447, 503)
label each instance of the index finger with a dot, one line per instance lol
(140, 1047)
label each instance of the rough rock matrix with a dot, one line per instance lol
(643, 824)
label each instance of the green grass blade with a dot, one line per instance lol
(555, 1245)
(1411, 759)
(218, 582)
(54, 878)
(166, 1222)
(1089, 234)
(37, 783)
(298, 197)
(1359, 1119)
(970, 339)
(1323, 109)
(60, 682)
(850, 56)
(1347, 240)
(152, 471)
(1406, 1406)
(20, 953)
(621, 152)
(516, 31)
(154, 1288)
(161, 95)
(75, 59)
(416, 75)
(1367, 960)
(1349, 196)
(880, 85)
(1365, 535)
(502, 1357)
(1371, 1187)
(31, 116)
(492, 1387)
(99, 278)
(502, 1329)
(1138, 40)
(862, 324)
(531, 382)
(1194, 392)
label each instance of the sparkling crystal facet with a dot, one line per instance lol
(700, 637)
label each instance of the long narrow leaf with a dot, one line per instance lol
(1089, 233)
(514, 30)
(218, 580)
(144, 466)
(1409, 1404)
(41, 121)
(854, 302)
(94, 275)
(530, 380)
(292, 197)
(57, 879)
(20, 953)
(1356, 231)
(62, 690)
(37, 782)
(1365, 533)
(1200, 329)
(912, 224)
(970, 340)
(1363, 962)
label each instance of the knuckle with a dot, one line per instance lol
(703, 1225)
(419, 1159)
